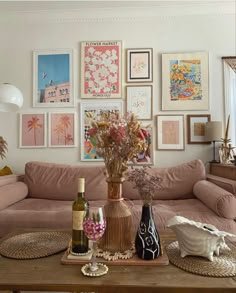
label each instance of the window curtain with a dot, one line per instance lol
(230, 100)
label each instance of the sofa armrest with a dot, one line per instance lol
(222, 202)
(227, 184)
(8, 179)
(12, 193)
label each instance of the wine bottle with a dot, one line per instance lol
(79, 209)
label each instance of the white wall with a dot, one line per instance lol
(166, 31)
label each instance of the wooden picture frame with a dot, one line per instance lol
(87, 149)
(101, 69)
(196, 128)
(170, 132)
(139, 101)
(53, 84)
(185, 81)
(32, 130)
(139, 64)
(62, 129)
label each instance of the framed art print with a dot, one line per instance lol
(62, 129)
(32, 132)
(101, 69)
(53, 78)
(185, 81)
(139, 101)
(139, 65)
(170, 132)
(90, 111)
(196, 128)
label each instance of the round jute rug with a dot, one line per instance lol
(34, 244)
(222, 266)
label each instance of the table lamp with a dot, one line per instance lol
(213, 133)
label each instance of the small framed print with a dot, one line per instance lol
(32, 132)
(170, 132)
(139, 101)
(53, 78)
(101, 69)
(90, 111)
(196, 128)
(62, 129)
(139, 65)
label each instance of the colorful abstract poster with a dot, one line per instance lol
(62, 129)
(89, 112)
(185, 81)
(32, 130)
(101, 69)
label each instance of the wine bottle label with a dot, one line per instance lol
(81, 184)
(77, 218)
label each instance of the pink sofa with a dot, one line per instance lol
(43, 199)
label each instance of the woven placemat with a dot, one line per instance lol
(222, 266)
(34, 244)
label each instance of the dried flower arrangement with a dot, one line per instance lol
(145, 183)
(118, 140)
(3, 147)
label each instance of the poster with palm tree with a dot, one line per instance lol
(62, 129)
(32, 130)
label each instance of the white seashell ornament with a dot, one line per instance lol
(196, 238)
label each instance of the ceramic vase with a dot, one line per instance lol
(147, 241)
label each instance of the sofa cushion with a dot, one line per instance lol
(12, 193)
(58, 181)
(176, 182)
(222, 202)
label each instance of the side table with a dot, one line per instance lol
(223, 170)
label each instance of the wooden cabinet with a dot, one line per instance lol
(223, 170)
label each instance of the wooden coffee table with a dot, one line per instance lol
(48, 274)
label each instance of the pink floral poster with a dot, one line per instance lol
(62, 130)
(32, 130)
(101, 69)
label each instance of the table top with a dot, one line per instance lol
(48, 274)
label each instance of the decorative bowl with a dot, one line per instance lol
(196, 238)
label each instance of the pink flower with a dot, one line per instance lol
(92, 131)
(117, 134)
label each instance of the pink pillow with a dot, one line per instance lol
(12, 193)
(221, 201)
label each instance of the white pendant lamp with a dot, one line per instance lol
(11, 98)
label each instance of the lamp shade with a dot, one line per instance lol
(213, 131)
(11, 98)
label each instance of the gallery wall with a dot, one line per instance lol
(21, 33)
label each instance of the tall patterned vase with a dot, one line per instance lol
(147, 241)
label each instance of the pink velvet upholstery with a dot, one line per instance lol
(176, 182)
(57, 181)
(12, 193)
(222, 202)
(225, 183)
(52, 188)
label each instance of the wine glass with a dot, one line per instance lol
(94, 226)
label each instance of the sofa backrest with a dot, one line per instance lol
(176, 182)
(59, 182)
